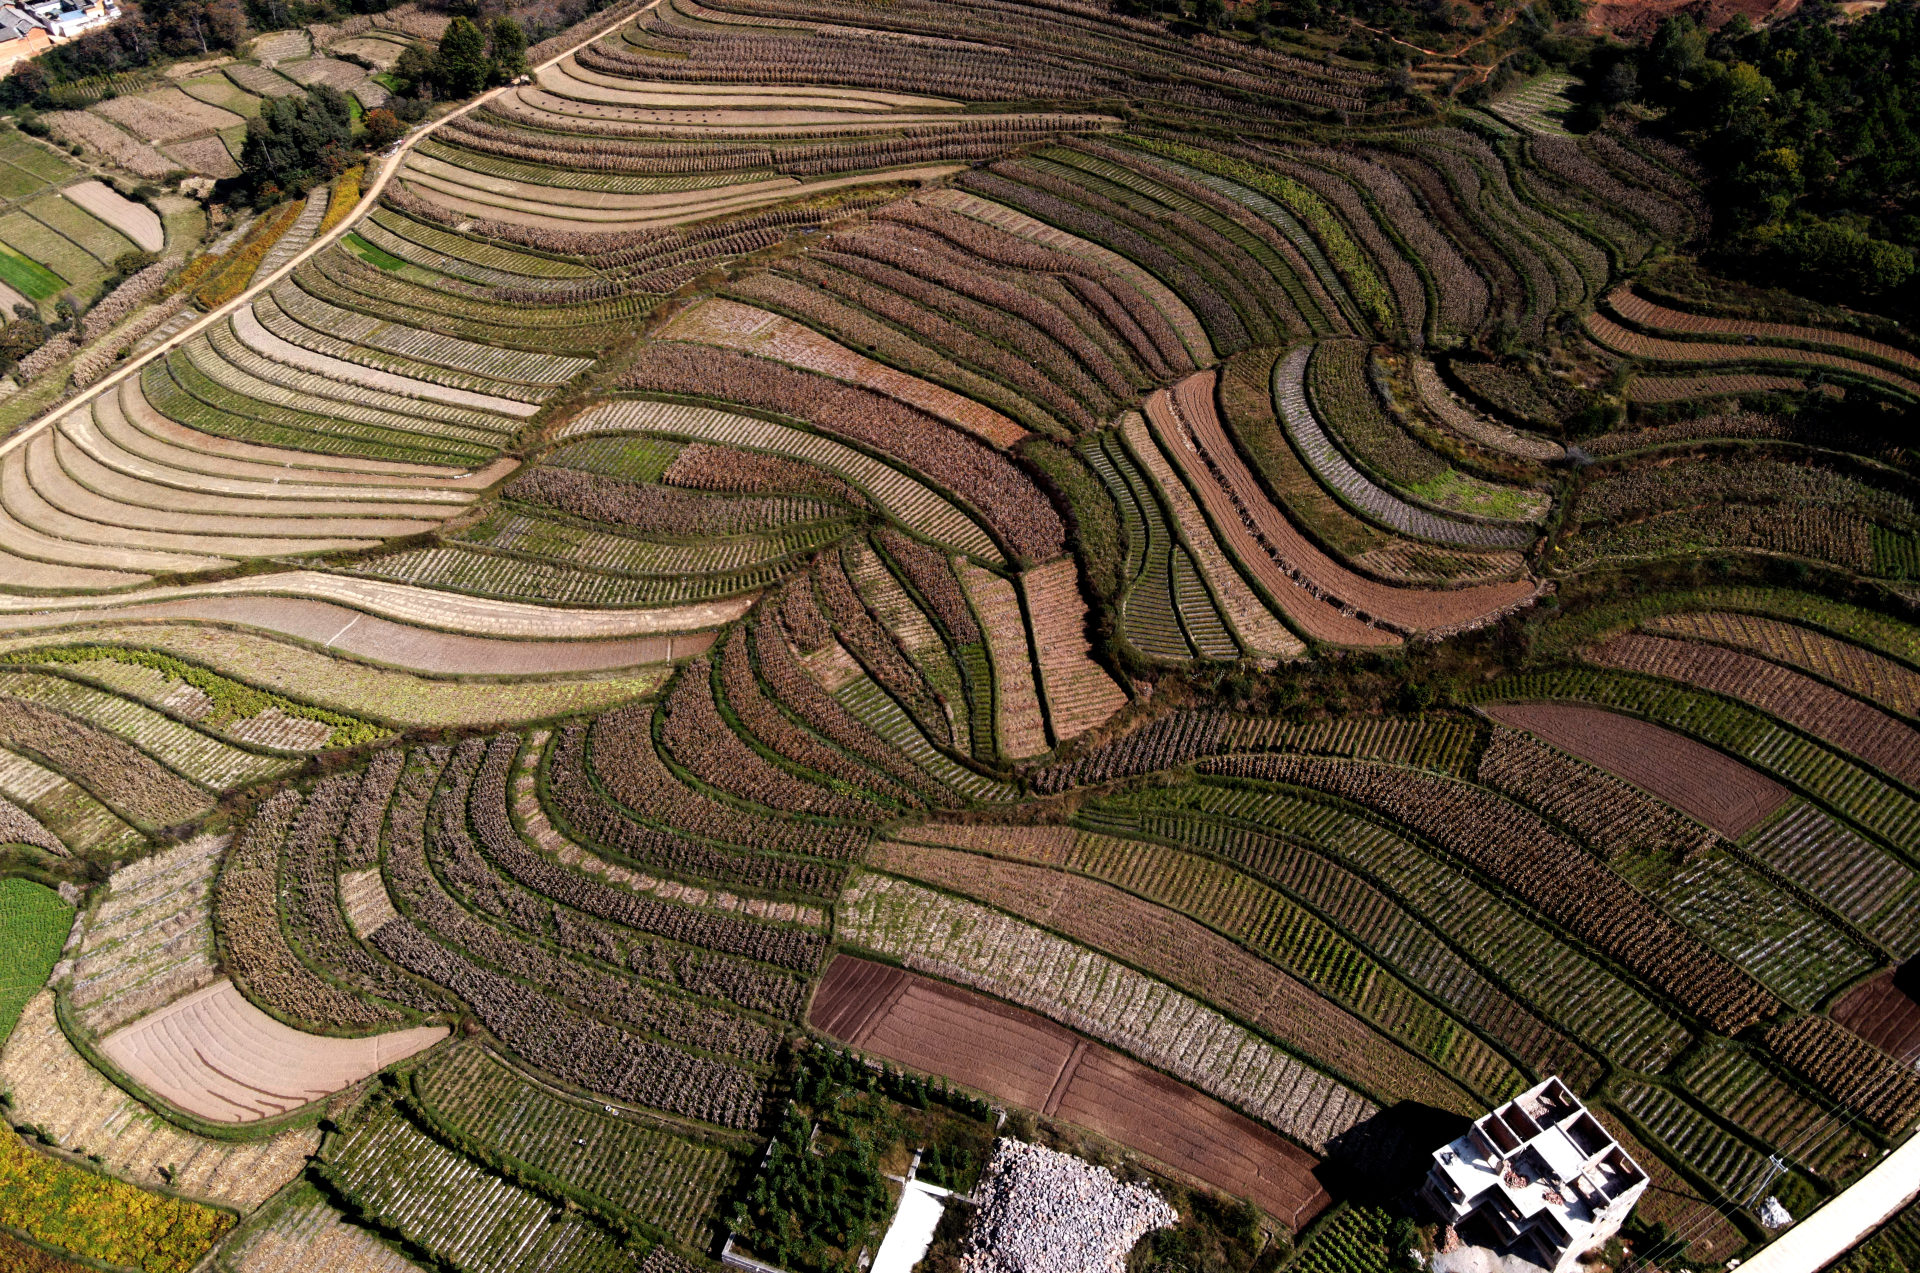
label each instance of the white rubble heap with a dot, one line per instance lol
(1046, 1212)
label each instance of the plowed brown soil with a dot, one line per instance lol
(1885, 1012)
(1690, 776)
(1019, 1057)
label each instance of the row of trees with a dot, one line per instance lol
(470, 57)
(296, 142)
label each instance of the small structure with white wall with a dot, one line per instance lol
(66, 19)
(1542, 1174)
(21, 37)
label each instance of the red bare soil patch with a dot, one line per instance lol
(1022, 1058)
(1885, 1012)
(1690, 776)
(1821, 710)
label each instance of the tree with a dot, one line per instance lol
(1676, 51)
(1621, 83)
(25, 85)
(461, 67)
(1839, 258)
(413, 70)
(508, 49)
(297, 141)
(383, 128)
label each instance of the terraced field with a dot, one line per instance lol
(1136, 574)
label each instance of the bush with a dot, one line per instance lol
(383, 128)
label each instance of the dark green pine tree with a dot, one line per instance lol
(509, 49)
(461, 67)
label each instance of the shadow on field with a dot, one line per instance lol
(1384, 1159)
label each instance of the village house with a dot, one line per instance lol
(1539, 1176)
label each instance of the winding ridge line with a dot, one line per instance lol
(1334, 470)
(369, 197)
(1624, 340)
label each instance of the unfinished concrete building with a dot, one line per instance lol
(1539, 1177)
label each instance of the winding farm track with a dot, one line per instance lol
(369, 196)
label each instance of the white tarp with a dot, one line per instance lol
(911, 1232)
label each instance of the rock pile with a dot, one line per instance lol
(1047, 1212)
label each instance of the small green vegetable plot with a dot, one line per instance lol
(34, 922)
(29, 278)
(373, 255)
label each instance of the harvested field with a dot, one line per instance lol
(54, 1088)
(307, 1232)
(1080, 694)
(1473, 426)
(1015, 1056)
(1875, 677)
(731, 325)
(1325, 600)
(1651, 390)
(215, 1055)
(82, 823)
(388, 644)
(449, 188)
(261, 80)
(1251, 620)
(151, 941)
(167, 115)
(1207, 964)
(426, 608)
(1801, 701)
(402, 627)
(1657, 349)
(1021, 728)
(937, 933)
(114, 144)
(1638, 309)
(913, 503)
(1692, 777)
(119, 774)
(323, 70)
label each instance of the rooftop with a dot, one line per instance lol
(1541, 1169)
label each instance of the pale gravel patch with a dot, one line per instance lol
(1042, 1211)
